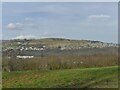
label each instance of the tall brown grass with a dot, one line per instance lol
(60, 62)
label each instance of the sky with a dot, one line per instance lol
(71, 20)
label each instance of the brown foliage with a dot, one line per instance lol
(60, 62)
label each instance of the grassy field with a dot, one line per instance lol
(104, 77)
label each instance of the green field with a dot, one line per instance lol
(104, 77)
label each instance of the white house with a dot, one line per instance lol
(24, 57)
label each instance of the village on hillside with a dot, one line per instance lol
(17, 48)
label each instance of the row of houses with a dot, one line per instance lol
(101, 44)
(33, 48)
(90, 45)
(24, 57)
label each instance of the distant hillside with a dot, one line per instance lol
(56, 42)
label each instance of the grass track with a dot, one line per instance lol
(104, 77)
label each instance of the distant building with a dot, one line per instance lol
(24, 57)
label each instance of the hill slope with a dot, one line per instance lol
(54, 42)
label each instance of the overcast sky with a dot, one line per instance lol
(88, 20)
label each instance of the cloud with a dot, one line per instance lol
(28, 19)
(43, 35)
(14, 26)
(21, 26)
(50, 35)
(11, 26)
(1, 35)
(101, 17)
(25, 37)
